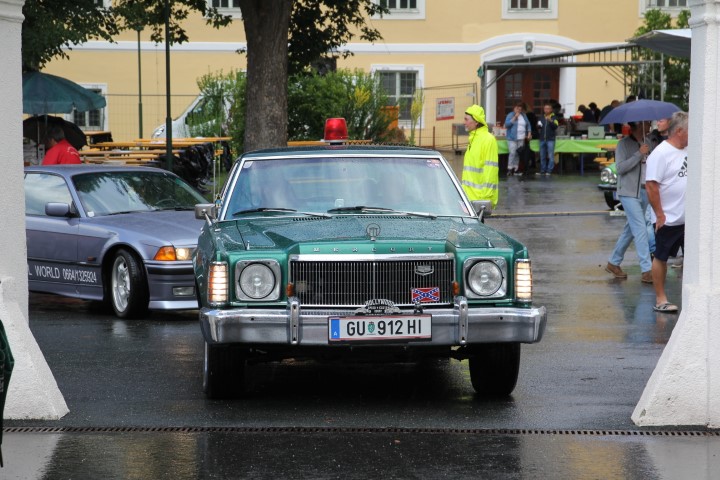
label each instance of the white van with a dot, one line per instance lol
(186, 125)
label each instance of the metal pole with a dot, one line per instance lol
(168, 119)
(140, 109)
(662, 78)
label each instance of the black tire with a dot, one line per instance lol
(610, 201)
(494, 368)
(224, 371)
(127, 286)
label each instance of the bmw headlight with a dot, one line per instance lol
(172, 254)
(258, 280)
(608, 176)
(486, 278)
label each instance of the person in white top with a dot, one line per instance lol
(665, 182)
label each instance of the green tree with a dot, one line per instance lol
(646, 80)
(52, 26)
(319, 27)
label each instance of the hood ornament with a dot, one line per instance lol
(373, 231)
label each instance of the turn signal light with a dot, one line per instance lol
(218, 283)
(335, 130)
(165, 254)
(523, 280)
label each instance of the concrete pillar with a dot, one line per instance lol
(684, 389)
(33, 392)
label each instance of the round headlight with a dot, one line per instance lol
(485, 278)
(608, 176)
(605, 175)
(257, 281)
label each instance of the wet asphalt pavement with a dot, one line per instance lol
(137, 410)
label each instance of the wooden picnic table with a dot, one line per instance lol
(94, 136)
(119, 152)
(129, 145)
(187, 139)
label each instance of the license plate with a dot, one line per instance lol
(405, 327)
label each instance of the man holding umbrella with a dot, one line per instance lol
(630, 156)
(59, 150)
(630, 159)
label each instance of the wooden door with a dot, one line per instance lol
(531, 85)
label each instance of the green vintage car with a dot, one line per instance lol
(341, 252)
(608, 185)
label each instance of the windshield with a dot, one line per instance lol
(108, 193)
(341, 185)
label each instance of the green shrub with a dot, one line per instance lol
(223, 110)
(356, 96)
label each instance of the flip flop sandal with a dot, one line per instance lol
(666, 308)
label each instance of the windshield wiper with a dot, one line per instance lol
(363, 208)
(264, 209)
(360, 208)
(127, 211)
(288, 210)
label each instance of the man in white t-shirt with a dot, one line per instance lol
(665, 182)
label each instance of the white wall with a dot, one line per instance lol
(33, 392)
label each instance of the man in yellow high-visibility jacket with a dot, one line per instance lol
(480, 169)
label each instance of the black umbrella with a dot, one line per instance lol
(35, 129)
(44, 93)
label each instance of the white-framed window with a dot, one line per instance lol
(226, 7)
(529, 9)
(93, 120)
(400, 83)
(403, 9)
(666, 3)
(670, 6)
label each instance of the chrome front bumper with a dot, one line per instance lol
(459, 325)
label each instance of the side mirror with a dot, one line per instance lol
(205, 211)
(56, 209)
(483, 208)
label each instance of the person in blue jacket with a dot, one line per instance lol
(547, 126)
(518, 130)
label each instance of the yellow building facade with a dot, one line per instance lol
(437, 45)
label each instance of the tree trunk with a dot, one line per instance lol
(266, 29)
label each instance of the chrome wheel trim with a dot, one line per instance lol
(120, 284)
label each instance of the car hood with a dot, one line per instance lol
(287, 233)
(168, 226)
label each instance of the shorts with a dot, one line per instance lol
(668, 241)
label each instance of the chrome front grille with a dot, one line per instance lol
(351, 282)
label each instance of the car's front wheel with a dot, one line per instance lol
(128, 286)
(494, 368)
(224, 371)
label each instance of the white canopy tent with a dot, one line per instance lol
(670, 42)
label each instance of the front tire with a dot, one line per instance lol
(224, 371)
(494, 368)
(128, 294)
